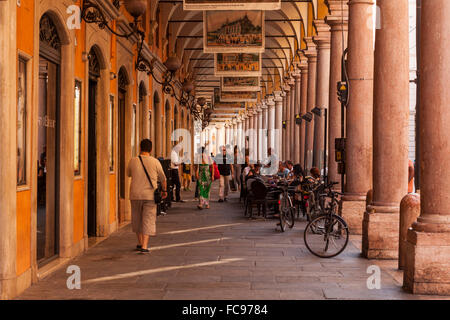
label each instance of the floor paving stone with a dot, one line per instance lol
(219, 254)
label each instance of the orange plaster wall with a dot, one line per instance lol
(23, 228)
(25, 14)
(322, 10)
(78, 211)
(78, 185)
(112, 198)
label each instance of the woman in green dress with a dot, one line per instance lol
(205, 178)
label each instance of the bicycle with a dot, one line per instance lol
(286, 207)
(328, 231)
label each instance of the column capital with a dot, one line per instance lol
(271, 103)
(286, 88)
(323, 37)
(278, 99)
(338, 17)
(311, 52)
(337, 8)
(366, 2)
(291, 82)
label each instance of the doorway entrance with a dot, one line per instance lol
(48, 143)
(122, 93)
(94, 75)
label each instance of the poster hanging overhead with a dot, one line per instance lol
(241, 96)
(231, 5)
(226, 105)
(240, 84)
(237, 64)
(233, 31)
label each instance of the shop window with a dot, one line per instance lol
(111, 133)
(77, 129)
(22, 123)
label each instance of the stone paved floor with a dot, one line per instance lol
(219, 254)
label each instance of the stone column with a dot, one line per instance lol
(427, 269)
(359, 113)
(226, 132)
(390, 133)
(287, 107)
(247, 130)
(259, 132)
(291, 123)
(296, 110)
(235, 133)
(271, 142)
(322, 40)
(283, 131)
(278, 142)
(311, 54)
(303, 105)
(255, 135)
(338, 21)
(239, 133)
(8, 148)
(263, 133)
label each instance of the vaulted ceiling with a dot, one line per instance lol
(284, 31)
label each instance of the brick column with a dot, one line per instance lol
(359, 113)
(338, 21)
(390, 133)
(311, 54)
(322, 40)
(427, 269)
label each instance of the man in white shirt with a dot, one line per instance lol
(175, 161)
(142, 191)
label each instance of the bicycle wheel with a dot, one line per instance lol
(284, 211)
(326, 236)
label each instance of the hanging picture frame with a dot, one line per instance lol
(239, 96)
(206, 5)
(237, 64)
(240, 84)
(233, 31)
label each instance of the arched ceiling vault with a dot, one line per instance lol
(284, 28)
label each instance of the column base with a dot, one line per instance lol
(380, 232)
(8, 288)
(427, 267)
(352, 210)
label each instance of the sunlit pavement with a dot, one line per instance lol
(219, 254)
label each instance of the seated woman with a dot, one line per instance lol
(253, 175)
(315, 173)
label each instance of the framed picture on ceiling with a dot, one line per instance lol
(237, 64)
(233, 31)
(239, 96)
(229, 105)
(240, 84)
(202, 5)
